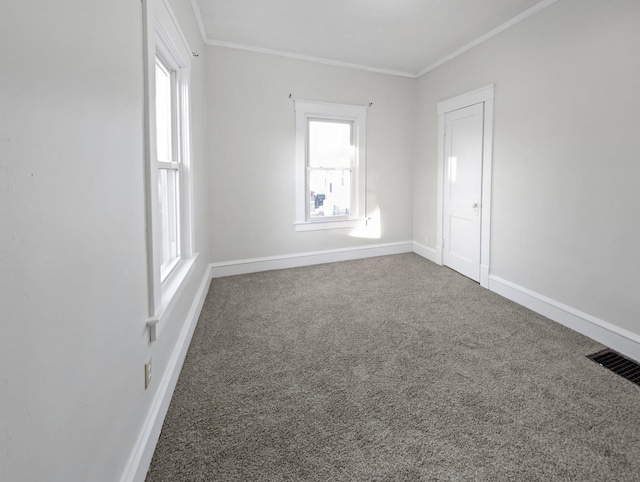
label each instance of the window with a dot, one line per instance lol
(168, 189)
(168, 168)
(330, 157)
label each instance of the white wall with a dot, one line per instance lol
(252, 141)
(565, 221)
(73, 287)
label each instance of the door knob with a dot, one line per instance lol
(474, 205)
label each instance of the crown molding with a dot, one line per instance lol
(492, 33)
(501, 28)
(308, 58)
(198, 14)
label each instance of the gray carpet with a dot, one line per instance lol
(390, 369)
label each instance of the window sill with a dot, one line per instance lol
(172, 287)
(320, 225)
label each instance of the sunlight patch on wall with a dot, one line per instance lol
(370, 229)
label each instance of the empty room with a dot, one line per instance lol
(301, 240)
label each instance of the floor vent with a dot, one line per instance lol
(617, 363)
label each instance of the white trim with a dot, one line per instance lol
(484, 275)
(492, 33)
(167, 21)
(482, 95)
(612, 336)
(622, 340)
(198, 15)
(255, 265)
(346, 110)
(487, 176)
(318, 225)
(427, 253)
(142, 452)
(483, 38)
(164, 37)
(307, 58)
(306, 110)
(172, 290)
(151, 172)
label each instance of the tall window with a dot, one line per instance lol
(168, 180)
(168, 167)
(330, 165)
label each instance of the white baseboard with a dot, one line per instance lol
(619, 339)
(612, 336)
(255, 265)
(429, 253)
(142, 453)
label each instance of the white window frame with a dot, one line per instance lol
(163, 38)
(173, 164)
(309, 110)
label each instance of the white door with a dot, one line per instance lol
(463, 189)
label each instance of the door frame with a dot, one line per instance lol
(483, 95)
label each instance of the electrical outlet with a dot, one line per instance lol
(147, 374)
(426, 241)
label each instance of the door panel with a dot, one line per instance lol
(463, 189)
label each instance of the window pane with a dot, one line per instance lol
(163, 111)
(330, 144)
(169, 221)
(330, 193)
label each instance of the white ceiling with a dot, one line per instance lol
(404, 37)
